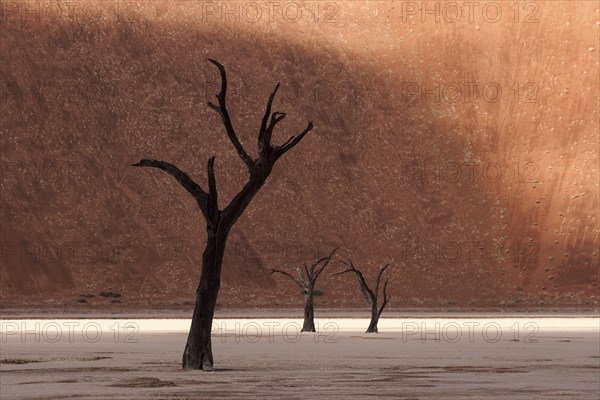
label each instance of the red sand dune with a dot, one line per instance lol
(465, 154)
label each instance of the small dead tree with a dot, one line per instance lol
(369, 295)
(198, 349)
(307, 277)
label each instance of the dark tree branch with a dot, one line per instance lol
(325, 260)
(307, 272)
(275, 119)
(301, 276)
(344, 271)
(212, 185)
(221, 109)
(264, 143)
(240, 201)
(301, 284)
(381, 271)
(188, 183)
(288, 141)
(307, 276)
(364, 288)
(291, 142)
(385, 297)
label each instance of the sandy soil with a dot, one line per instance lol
(474, 201)
(540, 358)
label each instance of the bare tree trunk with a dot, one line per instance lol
(198, 349)
(369, 294)
(306, 279)
(374, 319)
(198, 352)
(309, 313)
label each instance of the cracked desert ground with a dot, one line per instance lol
(419, 357)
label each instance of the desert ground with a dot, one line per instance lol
(413, 357)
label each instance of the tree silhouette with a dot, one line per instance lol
(307, 277)
(369, 295)
(198, 349)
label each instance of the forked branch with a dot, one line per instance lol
(367, 293)
(264, 139)
(307, 276)
(315, 272)
(291, 142)
(221, 109)
(381, 271)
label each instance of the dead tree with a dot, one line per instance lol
(307, 277)
(369, 295)
(198, 349)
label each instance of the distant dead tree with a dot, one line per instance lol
(306, 279)
(369, 295)
(198, 349)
